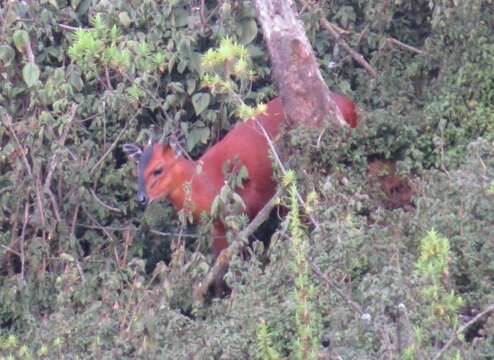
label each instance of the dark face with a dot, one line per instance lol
(144, 161)
(154, 162)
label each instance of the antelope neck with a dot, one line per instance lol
(181, 172)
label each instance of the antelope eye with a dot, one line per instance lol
(158, 171)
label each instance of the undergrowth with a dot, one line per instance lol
(86, 273)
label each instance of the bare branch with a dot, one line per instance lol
(61, 142)
(9, 249)
(462, 329)
(8, 121)
(355, 55)
(337, 290)
(202, 14)
(405, 46)
(68, 27)
(99, 201)
(109, 150)
(221, 264)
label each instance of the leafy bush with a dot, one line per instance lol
(85, 272)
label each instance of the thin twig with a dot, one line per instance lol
(109, 150)
(355, 55)
(202, 14)
(213, 12)
(99, 201)
(15, 220)
(174, 234)
(29, 53)
(54, 204)
(405, 46)
(139, 304)
(8, 249)
(128, 240)
(74, 219)
(79, 268)
(54, 161)
(8, 121)
(72, 232)
(107, 78)
(37, 184)
(70, 28)
(337, 290)
(224, 258)
(23, 236)
(283, 170)
(462, 329)
(99, 226)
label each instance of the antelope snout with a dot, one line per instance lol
(142, 198)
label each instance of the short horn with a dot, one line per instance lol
(177, 142)
(133, 151)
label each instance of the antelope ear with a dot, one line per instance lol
(133, 151)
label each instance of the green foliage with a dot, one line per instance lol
(85, 273)
(306, 342)
(265, 344)
(432, 269)
(306, 345)
(228, 72)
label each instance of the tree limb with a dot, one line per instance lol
(355, 55)
(223, 260)
(405, 46)
(462, 329)
(306, 97)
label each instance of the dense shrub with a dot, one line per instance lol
(85, 272)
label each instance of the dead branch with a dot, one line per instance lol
(355, 55)
(202, 14)
(221, 264)
(68, 27)
(54, 159)
(337, 290)
(9, 249)
(109, 150)
(23, 236)
(462, 329)
(405, 46)
(99, 201)
(7, 119)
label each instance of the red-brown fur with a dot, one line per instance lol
(246, 142)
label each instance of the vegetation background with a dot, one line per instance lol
(85, 273)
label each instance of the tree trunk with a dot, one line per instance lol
(306, 97)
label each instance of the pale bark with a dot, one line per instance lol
(305, 95)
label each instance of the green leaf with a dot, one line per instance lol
(124, 18)
(194, 63)
(196, 136)
(7, 54)
(180, 18)
(176, 87)
(21, 39)
(181, 66)
(247, 31)
(200, 102)
(30, 74)
(54, 3)
(76, 81)
(191, 85)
